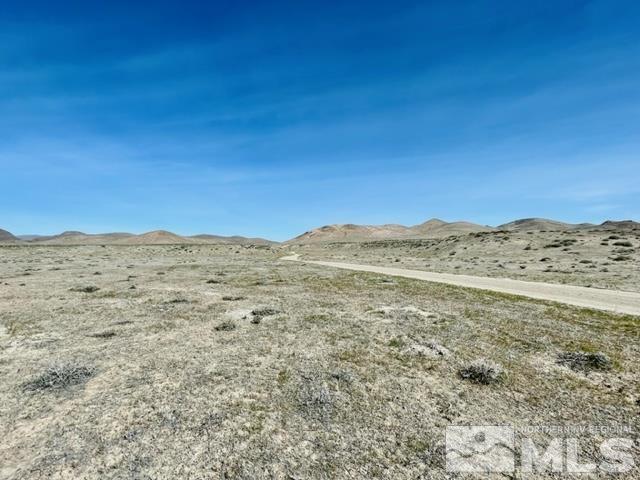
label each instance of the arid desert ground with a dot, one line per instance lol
(599, 258)
(223, 361)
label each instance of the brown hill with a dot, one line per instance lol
(621, 224)
(351, 233)
(438, 228)
(157, 237)
(80, 238)
(8, 237)
(530, 224)
(357, 233)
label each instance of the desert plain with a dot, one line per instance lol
(210, 361)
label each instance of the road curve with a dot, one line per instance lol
(599, 299)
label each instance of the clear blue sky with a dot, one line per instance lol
(270, 118)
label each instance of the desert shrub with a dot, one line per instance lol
(314, 399)
(623, 244)
(226, 326)
(233, 298)
(87, 289)
(264, 312)
(60, 376)
(482, 371)
(567, 242)
(621, 258)
(177, 301)
(584, 361)
(105, 334)
(123, 322)
(259, 313)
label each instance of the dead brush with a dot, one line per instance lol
(233, 298)
(226, 326)
(264, 312)
(106, 334)
(259, 313)
(623, 244)
(584, 361)
(60, 376)
(315, 400)
(87, 289)
(482, 371)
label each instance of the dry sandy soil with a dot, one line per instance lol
(591, 258)
(201, 361)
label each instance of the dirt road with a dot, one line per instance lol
(599, 299)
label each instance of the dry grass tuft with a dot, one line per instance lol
(233, 298)
(105, 334)
(584, 361)
(87, 289)
(315, 400)
(226, 326)
(482, 371)
(264, 312)
(61, 376)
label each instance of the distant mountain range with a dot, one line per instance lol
(158, 237)
(434, 228)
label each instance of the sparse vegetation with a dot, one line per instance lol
(226, 326)
(496, 255)
(348, 371)
(621, 258)
(584, 361)
(86, 289)
(264, 312)
(482, 371)
(315, 400)
(233, 298)
(623, 244)
(60, 376)
(105, 334)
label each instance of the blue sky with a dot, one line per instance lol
(271, 118)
